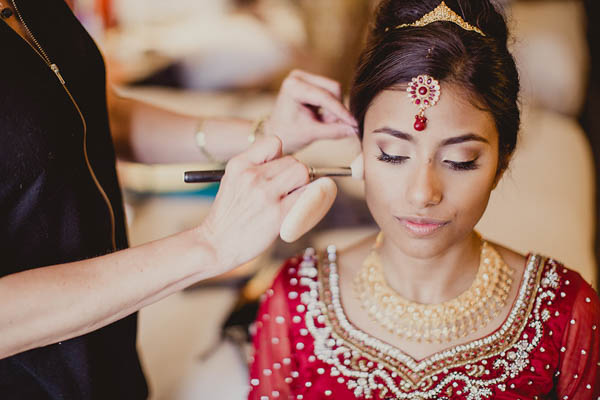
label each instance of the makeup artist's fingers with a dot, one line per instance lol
(305, 209)
(263, 150)
(289, 178)
(315, 96)
(321, 189)
(305, 101)
(332, 86)
(335, 130)
(327, 117)
(274, 168)
(288, 201)
(246, 215)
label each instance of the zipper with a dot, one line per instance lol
(54, 68)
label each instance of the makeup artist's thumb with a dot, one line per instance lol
(304, 208)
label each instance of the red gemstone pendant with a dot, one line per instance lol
(420, 123)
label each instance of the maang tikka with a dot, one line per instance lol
(424, 92)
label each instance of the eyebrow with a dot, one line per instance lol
(447, 142)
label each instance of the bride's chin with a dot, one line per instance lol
(419, 248)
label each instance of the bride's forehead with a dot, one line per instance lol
(398, 100)
(454, 113)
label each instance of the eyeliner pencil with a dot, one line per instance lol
(216, 175)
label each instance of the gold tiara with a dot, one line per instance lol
(441, 13)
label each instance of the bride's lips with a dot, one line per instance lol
(422, 226)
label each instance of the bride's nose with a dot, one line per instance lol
(425, 187)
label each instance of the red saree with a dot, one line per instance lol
(305, 348)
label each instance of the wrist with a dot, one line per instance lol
(205, 252)
(200, 139)
(259, 129)
(267, 127)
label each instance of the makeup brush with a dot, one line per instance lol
(314, 202)
(355, 171)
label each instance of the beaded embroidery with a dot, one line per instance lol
(371, 367)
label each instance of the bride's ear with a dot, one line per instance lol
(358, 167)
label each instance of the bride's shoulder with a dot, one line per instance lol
(551, 267)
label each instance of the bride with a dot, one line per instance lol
(428, 309)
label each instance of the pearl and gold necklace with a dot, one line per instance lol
(438, 323)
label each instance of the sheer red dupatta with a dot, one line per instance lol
(273, 364)
(571, 354)
(579, 369)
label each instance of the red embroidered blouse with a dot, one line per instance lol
(305, 347)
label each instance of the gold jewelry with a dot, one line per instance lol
(258, 129)
(439, 323)
(200, 139)
(441, 13)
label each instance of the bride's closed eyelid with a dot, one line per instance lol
(396, 149)
(461, 156)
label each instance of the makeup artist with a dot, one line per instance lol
(69, 287)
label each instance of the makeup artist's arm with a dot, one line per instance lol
(150, 134)
(42, 306)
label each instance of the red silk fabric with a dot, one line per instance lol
(551, 350)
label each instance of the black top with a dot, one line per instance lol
(51, 210)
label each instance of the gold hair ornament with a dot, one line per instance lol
(441, 13)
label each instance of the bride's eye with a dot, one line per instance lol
(391, 158)
(462, 166)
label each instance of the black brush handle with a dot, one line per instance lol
(203, 176)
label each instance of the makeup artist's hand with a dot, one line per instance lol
(309, 107)
(252, 201)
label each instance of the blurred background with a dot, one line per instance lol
(228, 58)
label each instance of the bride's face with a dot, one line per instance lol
(427, 189)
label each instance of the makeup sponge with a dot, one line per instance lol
(309, 209)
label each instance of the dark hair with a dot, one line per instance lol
(483, 66)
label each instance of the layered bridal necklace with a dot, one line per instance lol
(438, 323)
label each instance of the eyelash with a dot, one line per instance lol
(391, 159)
(456, 166)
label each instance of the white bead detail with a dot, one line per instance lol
(333, 352)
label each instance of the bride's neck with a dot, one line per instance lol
(435, 279)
